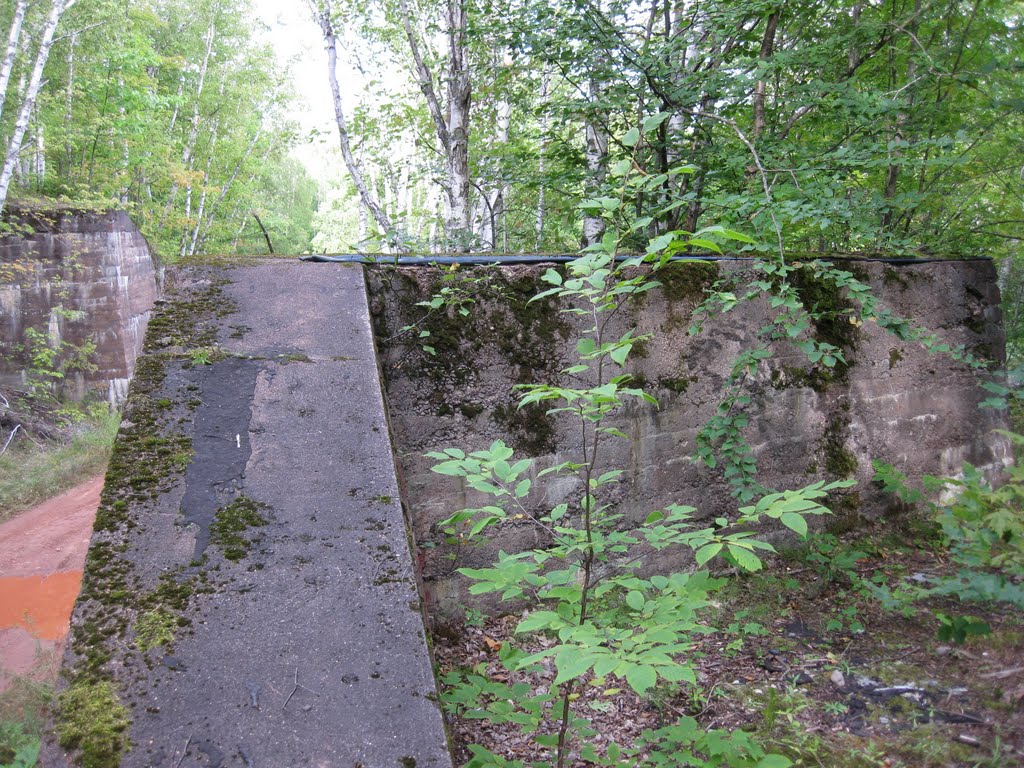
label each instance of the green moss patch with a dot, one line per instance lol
(830, 310)
(530, 428)
(232, 522)
(154, 629)
(92, 720)
(687, 280)
(837, 459)
(189, 320)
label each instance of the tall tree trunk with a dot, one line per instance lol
(322, 14)
(207, 225)
(597, 156)
(896, 153)
(11, 50)
(459, 95)
(193, 135)
(542, 151)
(452, 131)
(201, 208)
(32, 91)
(767, 46)
(492, 189)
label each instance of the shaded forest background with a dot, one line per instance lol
(888, 126)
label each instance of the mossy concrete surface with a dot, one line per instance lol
(250, 598)
(892, 401)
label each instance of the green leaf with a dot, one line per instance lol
(744, 558)
(552, 276)
(631, 138)
(540, 620)
(451, 468)
(635, 600)
(707, 552)
(641, 678)
(572, 663)
(732, 234)
(621, 168)
(794, 522)
(619, 354)
(522, 488)
(653, 121)
(774, 761)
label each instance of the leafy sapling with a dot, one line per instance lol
(584, 589)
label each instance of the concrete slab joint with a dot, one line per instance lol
(250, 597)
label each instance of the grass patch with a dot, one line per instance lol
(23, 710)
(30, 474)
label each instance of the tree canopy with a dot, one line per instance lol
(850, 126)
(844, 126)
(171, 108)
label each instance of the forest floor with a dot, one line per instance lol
(813, 666)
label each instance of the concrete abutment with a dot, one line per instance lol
(251, 597)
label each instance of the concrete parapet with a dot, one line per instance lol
(249, 597)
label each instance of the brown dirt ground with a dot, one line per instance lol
(42, 553)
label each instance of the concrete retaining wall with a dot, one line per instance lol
(76, 276)
(895, 402)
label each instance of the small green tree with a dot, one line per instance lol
(584, 588)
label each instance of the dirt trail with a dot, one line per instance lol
(42, 553)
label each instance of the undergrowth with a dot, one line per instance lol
(31, 472)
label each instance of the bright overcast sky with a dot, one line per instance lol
(296, 40)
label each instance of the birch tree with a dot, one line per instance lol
(322, 11)
(11, 50)
(13, 145)
(450, 120)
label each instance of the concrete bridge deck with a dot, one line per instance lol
(250, 598)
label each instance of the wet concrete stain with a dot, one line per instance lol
(221, 443)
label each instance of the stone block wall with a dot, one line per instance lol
(76, 276)
(895, 402)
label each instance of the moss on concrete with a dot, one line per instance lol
(154, 629)
(93, 721)
(530, 428)
(687, 280)
(837, 459)
(232, 522)
(676, 384)
(830, 310)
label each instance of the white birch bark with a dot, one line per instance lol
(452, 123)
(190, 143)
(492, 197)
(201, 208)
(542, 151)
(13, 148)
(321, 10)
(11, 50)
(596, 156)
(459, 95)
(207, 225)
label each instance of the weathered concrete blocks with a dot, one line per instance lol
(895, 402)
(76, 276)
